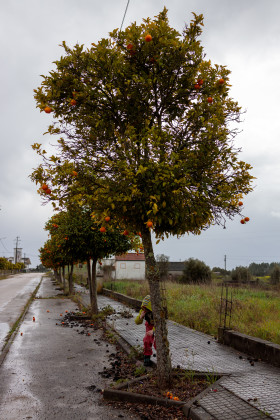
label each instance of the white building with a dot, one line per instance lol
(126, 266)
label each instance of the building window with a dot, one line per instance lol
(137, 265)
(123, 265)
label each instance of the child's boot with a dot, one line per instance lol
(147, 361)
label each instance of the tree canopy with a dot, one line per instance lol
(147, 129)
(196, 271)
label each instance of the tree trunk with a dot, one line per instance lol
(63, 278)
(152, 273)
(93, 297)
(70, 279)
(56, 275)
(89, 278)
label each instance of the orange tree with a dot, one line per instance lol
(52, 257)
(146, 128)
(80, 239)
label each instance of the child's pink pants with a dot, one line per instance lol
(148, 340)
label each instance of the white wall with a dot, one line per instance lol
(130, 270)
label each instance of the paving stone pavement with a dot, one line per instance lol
(246, 393)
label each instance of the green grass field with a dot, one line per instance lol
(255, 312)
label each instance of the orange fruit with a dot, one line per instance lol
(240, 203)
(44, 187)
(200, 82)
(33, 318)
(149, 224)
(221, 81)
(197, 86)
(107, 218)
(102, 229)
(246, 219)
(48, 109)
(129, 46)
(73, 102)
(74, 173)
(48, 191)
(125, 233)
(242, 221)
(210, 100)
(148, 38)
(21, 333)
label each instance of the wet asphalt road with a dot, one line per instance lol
(51, 371)
(14, 294)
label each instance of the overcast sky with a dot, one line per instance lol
(243, 35)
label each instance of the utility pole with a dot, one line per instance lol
(17, 243)
(225, 260)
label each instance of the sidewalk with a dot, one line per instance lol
(248, 392)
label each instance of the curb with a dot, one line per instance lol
(8, 344)
(193, 410)
(118, 395)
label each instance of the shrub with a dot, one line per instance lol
(196, 271)
(275, 275)
(241, 275)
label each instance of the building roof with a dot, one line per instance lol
(132, 256)
(176, 266)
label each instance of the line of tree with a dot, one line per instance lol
(74, 236)
(7, 265)
(262, 269)
(146, 132)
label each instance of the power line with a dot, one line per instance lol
(124, 14)
(1, 240)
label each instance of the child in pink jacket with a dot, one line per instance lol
(149, 338)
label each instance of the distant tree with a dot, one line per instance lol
(196, 271)
(162, 264)
(275, 275)
(19, 266)
(4, 264)
(241, 275)
(220, 270)
(260, 270)
(40, 267)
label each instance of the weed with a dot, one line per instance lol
(139, 371)
(212, 377)
(136, 353)
(189, 375)
(108, 310)
(110, 337)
